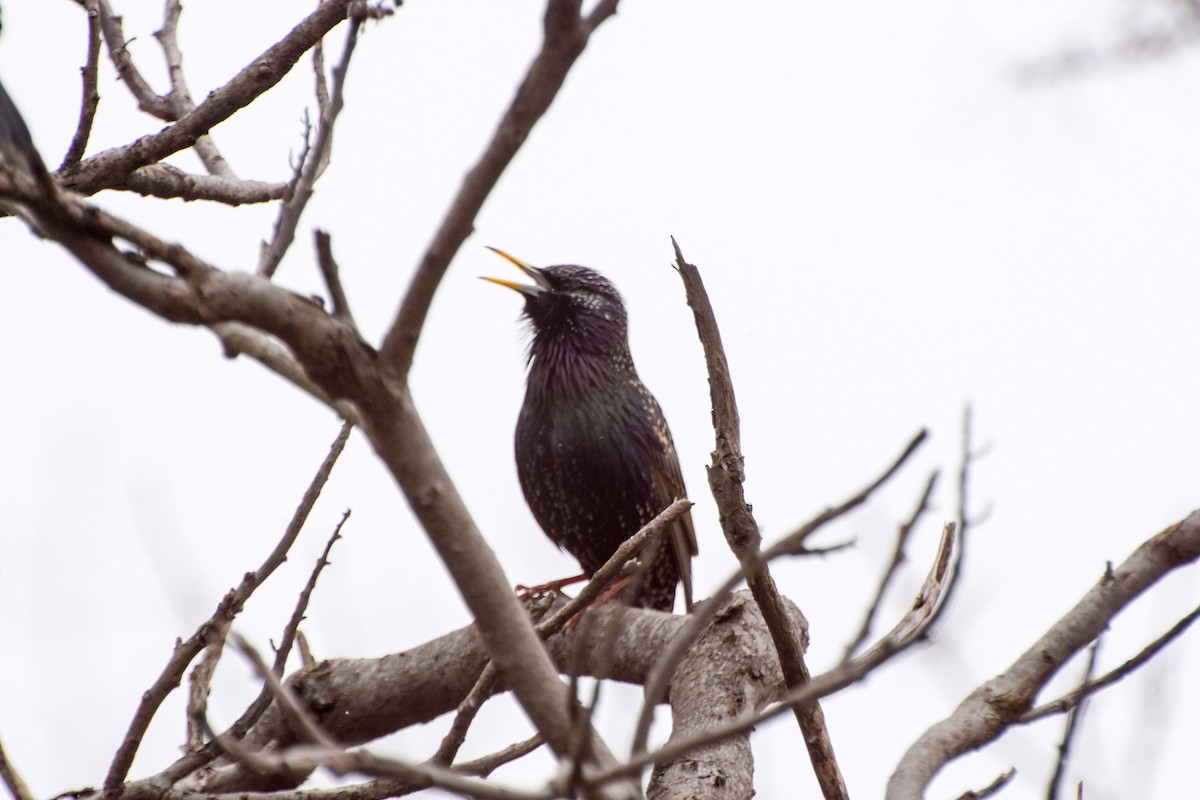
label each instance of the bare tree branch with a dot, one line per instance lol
(795, 540)
(148, 100)
(992, 788)
(993, 707)
(302, 187)
(91, 92)
(898, 558)
(383, 787)
(333, 281)
(200, 682)
(726, 477)
(1072, 699)
(335, 358)
(170, 182)
(228, 608)
(565, 36)
(180, 97)
(700, 616)
(109, 168)
(906, 632)
(965, 521)
(1073, 725)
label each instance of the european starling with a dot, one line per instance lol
(594, 456)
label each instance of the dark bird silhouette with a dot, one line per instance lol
(594, 456)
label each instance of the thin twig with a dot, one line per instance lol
(382, 788)
(992, 788)
(148, 100)
(333, 281)
(201, 681)
(180, 97)
(227, 609)
(465, 715)
(302, 188)
(794, 541)
(613, 568)
(292, 629)
(964, 519)
(263, 72)
(1073, 724)
(300, 717)
(91, 91)
(307, 659)
(898, 558)
(726, 478)
(291, 633)
(1071, 700)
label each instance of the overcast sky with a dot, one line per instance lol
(893, 221)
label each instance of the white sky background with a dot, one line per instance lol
(890, 225)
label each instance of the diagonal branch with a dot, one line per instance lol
(726, 477)
(333, 357)
(1074, 719)
(106, 169)
(898, 558)
(180, 97)
(1074, 698)
(228, 608)
(1003, 701)
(566, 34)
(704, 612)
(317, 157)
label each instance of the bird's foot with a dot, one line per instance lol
(611, 594)
(527, 592)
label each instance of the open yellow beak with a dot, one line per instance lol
(533, 272)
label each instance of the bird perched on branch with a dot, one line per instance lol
(594, 456)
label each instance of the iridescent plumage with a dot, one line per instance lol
(594, 455)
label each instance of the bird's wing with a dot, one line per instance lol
(669, 487)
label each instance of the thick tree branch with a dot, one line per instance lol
(336, 359)
(903, 635)
(170, 182)
(358, 700)
(993, 707)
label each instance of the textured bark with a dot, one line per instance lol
(730, 671)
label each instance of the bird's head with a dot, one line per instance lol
(570, 308)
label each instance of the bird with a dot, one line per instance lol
(595, 458)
